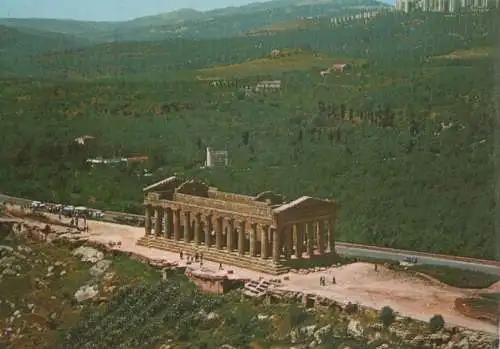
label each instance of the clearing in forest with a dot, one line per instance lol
(474, 53)
(286, 61)
(281, 26)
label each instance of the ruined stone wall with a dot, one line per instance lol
(193, 188)
(210, 283)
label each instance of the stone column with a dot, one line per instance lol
(270, 240)
(264, 241)
(157, 221)
(330, 237)
(147, 221)
(170, 225)
(230, 234)
(241, 238)
(166, 221)
(177, 225)
(299, 239)
(197, 228)
(309, 234)
(218, 232)
(288, 242)
(208, 231)
(320, 236)
(187, 226)
(277, 245)
(253, 232)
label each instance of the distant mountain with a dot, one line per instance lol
(186, 14)
(192, 24)
(19, 47)
(64, 26)
(27, 40)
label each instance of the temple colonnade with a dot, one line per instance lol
(247, 238)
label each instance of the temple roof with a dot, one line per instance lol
(164, 182)
(306, 204)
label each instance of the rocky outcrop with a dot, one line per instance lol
(210, 282)
(396, 336)
(463, 306)
(418, 334)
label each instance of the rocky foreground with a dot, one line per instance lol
(52, 279)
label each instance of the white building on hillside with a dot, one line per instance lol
(217, 158)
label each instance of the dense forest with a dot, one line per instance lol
(403, 140)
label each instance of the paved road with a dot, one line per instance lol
(370, 251)
(399, 256)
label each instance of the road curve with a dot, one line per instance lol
(357, 250)
(374, 252)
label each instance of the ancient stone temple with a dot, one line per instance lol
(259, 232)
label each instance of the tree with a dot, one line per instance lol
(436, 323)
(301, 136)
(413, 128)
(342, 111)
(245, 137)
(387, 316)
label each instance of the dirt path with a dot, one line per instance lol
(407, 295)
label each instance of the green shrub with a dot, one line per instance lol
(351, 308)
(436, 323)
(296, 315)
(387, 316)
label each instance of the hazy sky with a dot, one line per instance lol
(105, 10)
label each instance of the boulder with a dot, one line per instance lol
(86, 292)
(355, 329)
(88, 254)
(100, 268)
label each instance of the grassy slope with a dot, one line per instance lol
(50, 296)
(290, 61)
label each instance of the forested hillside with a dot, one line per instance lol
(403, 140)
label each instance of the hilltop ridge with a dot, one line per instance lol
(189, 23)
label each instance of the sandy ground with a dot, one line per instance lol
(357, 283)
(407, 295)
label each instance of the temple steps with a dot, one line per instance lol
(214, 255)
(256, 288)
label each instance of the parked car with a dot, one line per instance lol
(96, 214)
(81, 211)
(67, 211)
(37, 204)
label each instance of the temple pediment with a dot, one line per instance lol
(169, 183)
(305, 208)
(192, 187)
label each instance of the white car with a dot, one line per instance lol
(97, 215)
(37, 204)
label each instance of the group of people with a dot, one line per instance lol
(75, 220)
(198, 257)
(322, 280)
